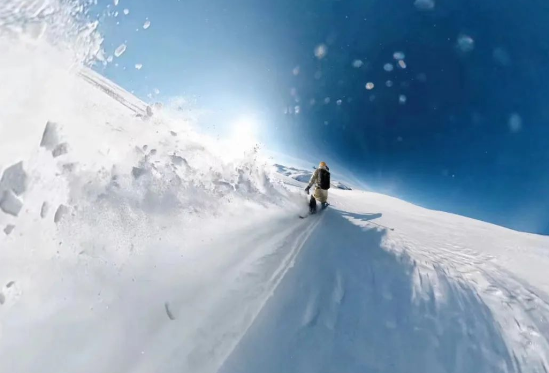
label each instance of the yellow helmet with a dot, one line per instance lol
(322, 164)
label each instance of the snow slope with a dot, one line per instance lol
(130, 243)
(439, 293)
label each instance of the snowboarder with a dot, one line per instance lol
(321, 180)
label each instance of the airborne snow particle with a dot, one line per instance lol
(388, 67)
(501, 56)
(120, 50)
(147, 24)
(138, 66)
(402, 64)
(156, 91)
(126, 11)
(515, 123)
(297, 109)
(424, 4)
(389, 83)
(327, 100)
(357, 63)
(339, 102)
(168, 311)
(402, 99)
(320, 51)
(370, 86)
(116, 2)
(398, 55)
(465, 43)
(295, 71)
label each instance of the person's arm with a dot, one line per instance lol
(314, 177)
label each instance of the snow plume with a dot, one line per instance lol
(113, 210)
(64, 24)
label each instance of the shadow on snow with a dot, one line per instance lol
(349, 305)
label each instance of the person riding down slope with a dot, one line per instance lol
(321, 180)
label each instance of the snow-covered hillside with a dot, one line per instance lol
(130, 243)
(304, 176)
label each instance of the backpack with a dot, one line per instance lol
(324, 179)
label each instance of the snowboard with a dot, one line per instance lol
(318, 211)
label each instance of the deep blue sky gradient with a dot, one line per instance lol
(449, 147)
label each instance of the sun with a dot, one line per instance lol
(243, 135)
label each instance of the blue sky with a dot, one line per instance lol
(464, 127)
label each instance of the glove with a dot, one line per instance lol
(307, 189)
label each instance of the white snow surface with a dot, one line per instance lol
(141, 248)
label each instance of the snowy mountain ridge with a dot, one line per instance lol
(131, 245)
(304, 176)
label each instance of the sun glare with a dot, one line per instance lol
(243, 135)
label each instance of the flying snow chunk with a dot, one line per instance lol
(424, 4)
(9, 203)
(402, 99)
(320, 51)
(339, 102)
(389, 83)
(357, 63)
(138, 66)
(60, 150)
(14, 178)
(120, 50)
(398, 55)
(156, 91)
(295, 71)
(9, 228)
(297, 109)
(402, 64)
(465, 43)
(61, 212)
(369, 86)
(126, 11)
(147, 24)
(327, 100)
(116, 2)
(388, 67)
(515, 123)
(44, 210)
(50, 137)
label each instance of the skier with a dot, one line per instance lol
(321, 180)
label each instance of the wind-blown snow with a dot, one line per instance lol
(131, 243)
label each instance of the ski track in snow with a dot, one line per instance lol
(462, 310)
